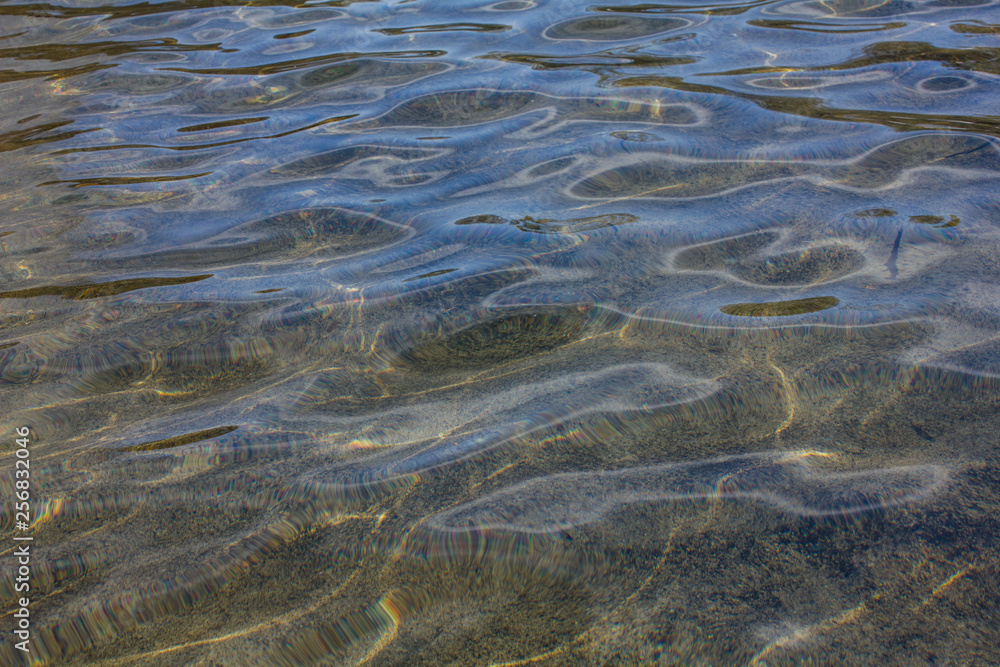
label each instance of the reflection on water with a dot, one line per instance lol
(503, 333)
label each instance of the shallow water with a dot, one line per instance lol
(532, 332)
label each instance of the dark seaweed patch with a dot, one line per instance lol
(97, 290)
(180, 440)
(781, 308)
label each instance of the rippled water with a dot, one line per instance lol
(448, 332)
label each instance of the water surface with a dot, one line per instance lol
(527, 332)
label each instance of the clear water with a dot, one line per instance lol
(458, 333)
